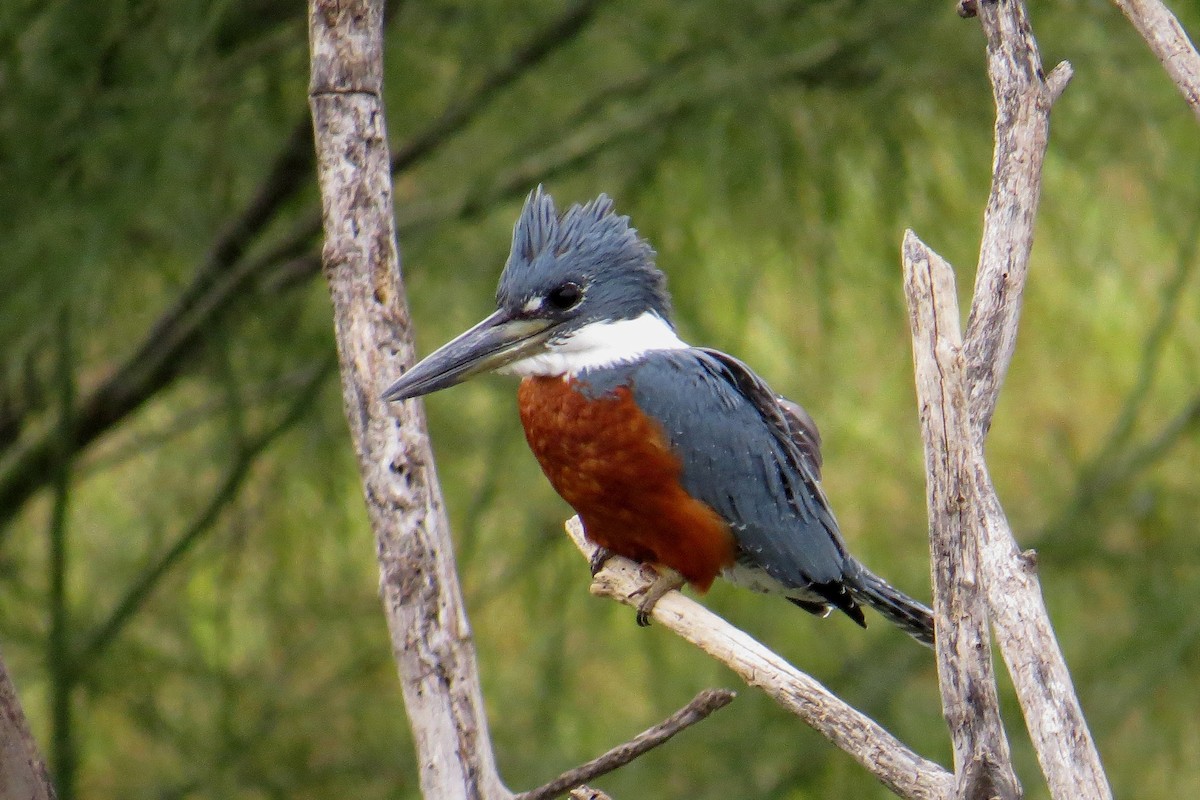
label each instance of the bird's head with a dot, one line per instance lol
(579, 289)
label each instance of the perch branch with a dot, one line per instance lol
(982, 761)
(431, 638)
(588, 793)
(699, 709)
(1169, 43)
(896, 766)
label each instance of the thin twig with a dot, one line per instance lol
(896, 766)
(699, 709)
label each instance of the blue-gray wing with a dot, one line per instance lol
(752, 461)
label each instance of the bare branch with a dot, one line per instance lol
(588, 793)
(1023, 102)
(22, 772)
(699, 709)
(982, 761)
(1170, 44)
(1055, 720)
(431, 638)
(1064, 745)
(896, 766)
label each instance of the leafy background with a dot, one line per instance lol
(187, 582)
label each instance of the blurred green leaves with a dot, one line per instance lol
(773, 152)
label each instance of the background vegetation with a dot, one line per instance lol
(187, 581)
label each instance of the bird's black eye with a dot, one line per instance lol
(565, 296)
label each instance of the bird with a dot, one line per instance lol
(674, 456)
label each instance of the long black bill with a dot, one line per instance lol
(493, 343)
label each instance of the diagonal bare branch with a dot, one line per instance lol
(904, 772)
(1170, 44)
(699, 709)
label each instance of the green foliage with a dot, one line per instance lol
(773, 152)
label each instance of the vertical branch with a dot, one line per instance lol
(1170, 44)
(982, 762)
(431, 639)
(1023, 98)
(1060, 735)
(1064, 745)
(22, 773)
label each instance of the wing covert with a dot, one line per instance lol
(752, 461)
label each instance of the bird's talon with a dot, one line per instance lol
(653, 592)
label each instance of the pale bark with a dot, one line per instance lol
(1022, 129)
(982, 762)
(23, 774)
(896, 766)
(431, 639)
(1169, 43)
(1066, 751)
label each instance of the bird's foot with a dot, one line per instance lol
(599, 558)
(665, 581)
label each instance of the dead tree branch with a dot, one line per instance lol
(1169, 43)
(982, 761)
(22, 772)
(1055, 720)
(896, 766)
(1023, 100)
(699, 709)
(431, 638)
(1065, 748)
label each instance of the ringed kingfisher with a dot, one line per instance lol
(675, 456)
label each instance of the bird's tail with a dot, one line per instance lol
(901, 610)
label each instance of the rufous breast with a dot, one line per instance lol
(612, 463)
